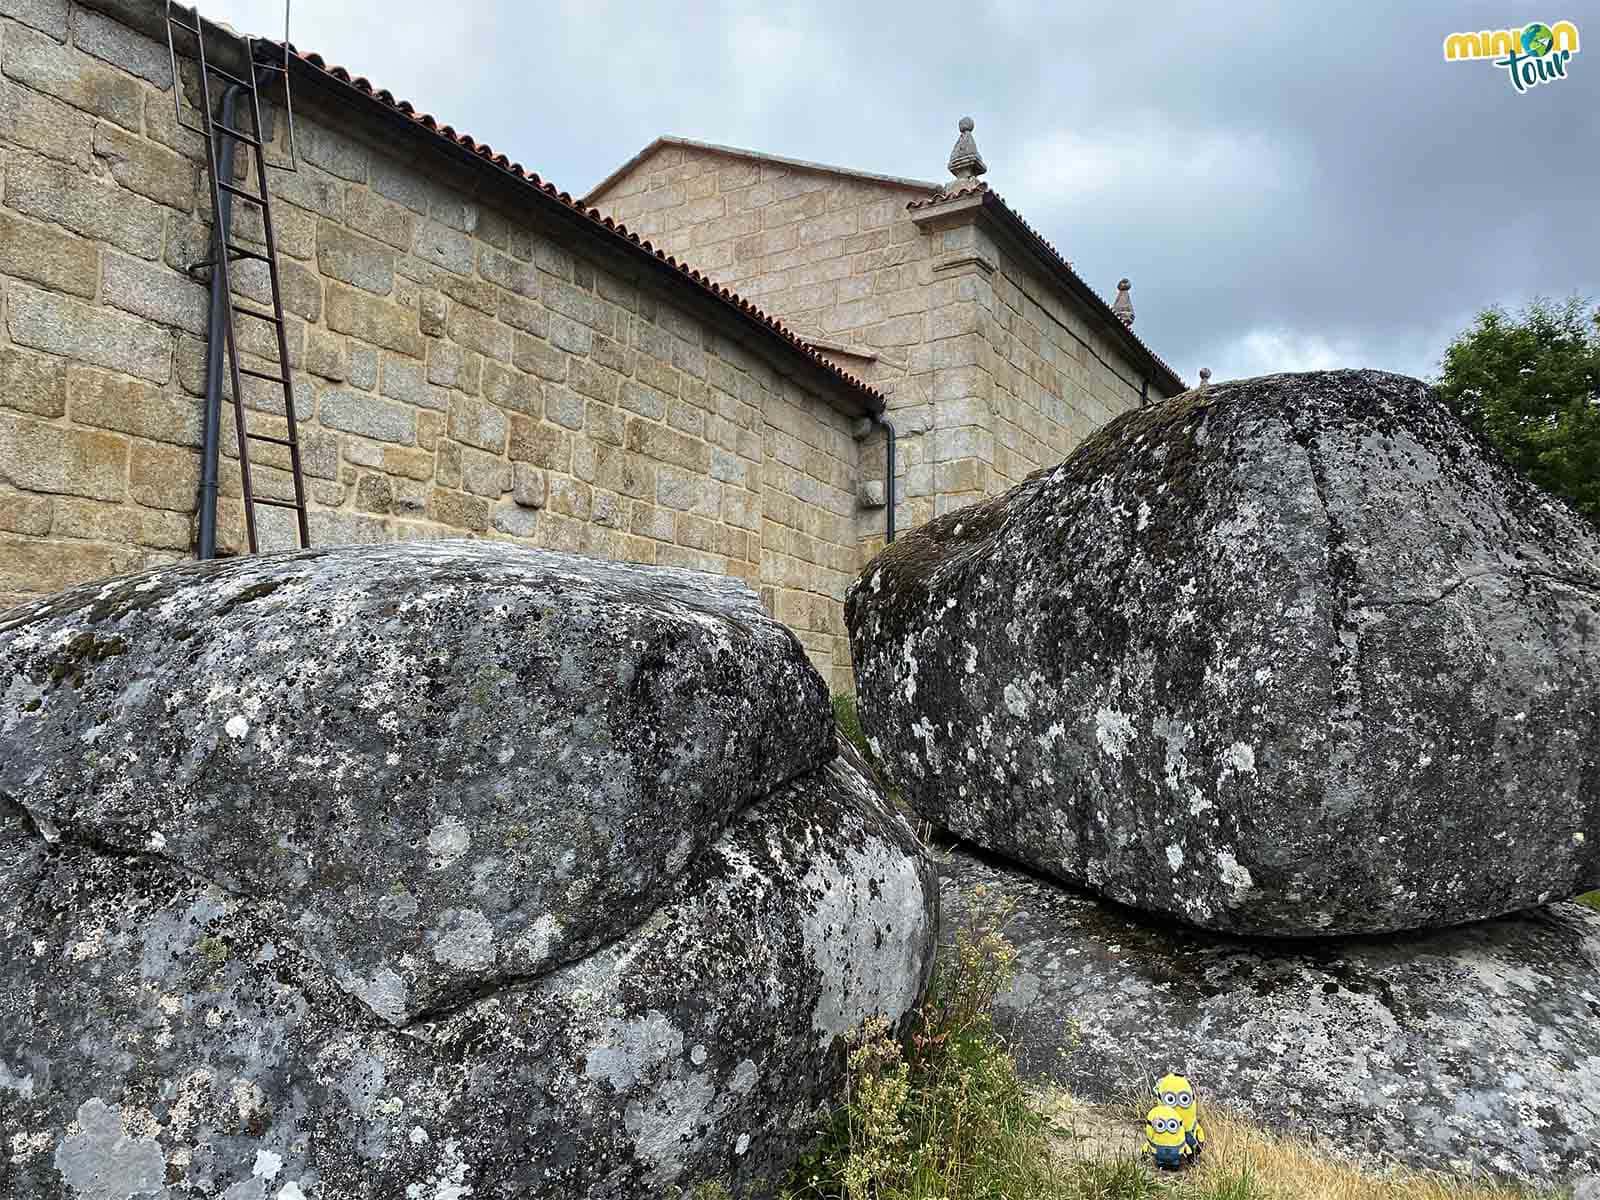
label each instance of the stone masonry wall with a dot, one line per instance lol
(834, 255)
(837, 258)
(989, 370)
(1046, 375)
(461, 367)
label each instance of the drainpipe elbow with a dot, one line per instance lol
(887, 426)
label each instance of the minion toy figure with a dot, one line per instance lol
(1174, 1092)
(1164, 1139)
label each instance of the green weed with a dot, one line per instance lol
(849, 720)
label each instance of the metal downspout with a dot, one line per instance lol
(888, 473)
(221, 222)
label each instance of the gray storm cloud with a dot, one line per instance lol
(1286, 190)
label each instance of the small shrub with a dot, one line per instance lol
(943, 1114)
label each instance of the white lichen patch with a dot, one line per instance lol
(872, 892)
(532, 945)
(667, 1123)
(11, 1081)
(21, 700)
(448, 1180)
(447, 842)
(91, 945)
(1237, 877)
(909, 688)
(396, 906)
(1238, 759)
(744, 1078)
(678, 856)
(1016, 700)
(1024, 992)
(26, 1145)
(925, 732)
(464, 938)
(101, 1162)
(631, 1050)
(237, 727)
(385, 993)
(1114, 731)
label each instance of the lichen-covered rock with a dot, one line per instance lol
(1475, 1048)
(454, 763)
(162, 1035)
(1292, 656)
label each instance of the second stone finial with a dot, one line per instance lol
(965, 161)
(1123, 304)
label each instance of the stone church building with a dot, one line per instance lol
(696, 365)
(995, 356)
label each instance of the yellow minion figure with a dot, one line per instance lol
(1175, 1092)
(1164, 1140)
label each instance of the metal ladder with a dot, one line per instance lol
(224, 252)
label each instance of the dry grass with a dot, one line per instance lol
(1242, 1160)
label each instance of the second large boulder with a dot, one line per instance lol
(1472, 1049)
(1296, 655)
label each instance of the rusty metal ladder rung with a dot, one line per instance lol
(224, 252)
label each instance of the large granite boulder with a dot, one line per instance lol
(445, 757)
(1475, 1048)
(1295, 655)
(435, 870)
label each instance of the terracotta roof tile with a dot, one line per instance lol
(969, 187)
(603, 224)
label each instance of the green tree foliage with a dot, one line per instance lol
(1530, 383)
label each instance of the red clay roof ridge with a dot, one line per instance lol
(668, 139)
(602, 224)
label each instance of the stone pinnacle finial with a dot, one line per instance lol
(965, 161)
(1123, 305)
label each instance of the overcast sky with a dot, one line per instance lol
(1287, 191)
